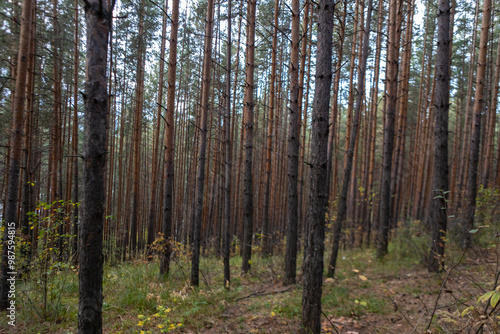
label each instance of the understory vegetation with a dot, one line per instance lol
(367, 295)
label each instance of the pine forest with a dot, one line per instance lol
(244, 166)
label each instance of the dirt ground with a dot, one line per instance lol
(410, 299)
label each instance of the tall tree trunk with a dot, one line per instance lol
(28, 181)
(391, 94)
(313, 264)
(10, 215)
(99, 20)
(248, 110)
(74, 141)
(303, 111)
(438, 210)
(489, 173)
(139, 102)
(335, 107)
(205, 92)
(476, 129)
(168, 197)
(156, 140)
(373, 121)
(226, 215)
(269, 148)
(342, 206)
(293, 151)
(464, 154)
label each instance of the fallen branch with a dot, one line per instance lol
(262, 293)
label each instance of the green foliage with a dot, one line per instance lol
(48, 258)
(410, 245)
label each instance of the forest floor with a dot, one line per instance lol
(396, 295)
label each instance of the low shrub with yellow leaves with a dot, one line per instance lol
(161, 320)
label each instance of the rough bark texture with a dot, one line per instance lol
(313, 263)
(168, 209)
(373, 121)
(139, 103)
(74, 142)
(342, 206)
(205, 92)
(248, 107)
(266, 249)
(156, 140)
(391, 94)
(438, 212)
(293, 152)
(96, 98)
(476, 126)
(226, 218)
(16, 138)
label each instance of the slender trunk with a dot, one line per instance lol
(98, 19)
(303, 111)
(226, 215)
(438, 214)
(156, 140)
(168, 197)
(10, 215)
(74, 141)
(342, 206)
(293, 152)
(476, 130)
(373, 121)
(489, 174)
(313, 264)
(464, 155)
(269, 148)
(335, 107)
(391, 94)
(205, 92)
(139, 102)
(248, 111)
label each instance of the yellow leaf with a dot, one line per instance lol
(356, 270)
(494, 299)
(363, 278)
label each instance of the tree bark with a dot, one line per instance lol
(293, 152)
(139, 102)
(438, 210)
(476, 129)
(248, 111)
(96, 98)
(391, 93)
(226, 215)
(156, 140)
(168, 197)
(313, 264)
(269, 146)
(342, 206)
(74, 140)
(205, 92)
(16, 139)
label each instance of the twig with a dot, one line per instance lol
(205, 280)
(261, 293)
(442, 288)
(331, 323)
(418, 321)
(397, 309)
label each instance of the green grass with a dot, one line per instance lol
(136, 299)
